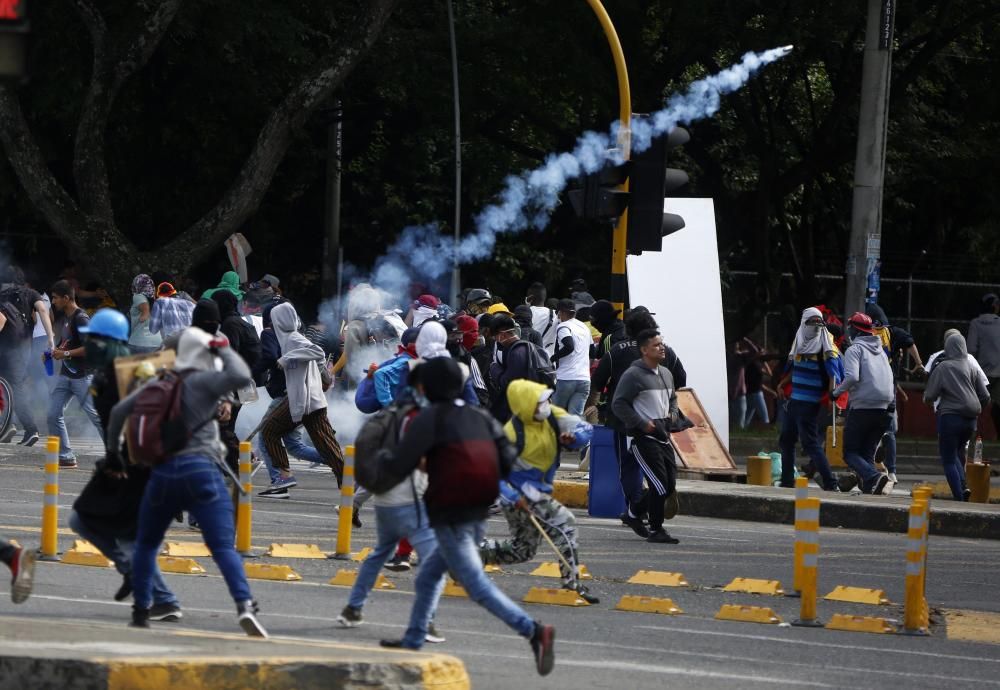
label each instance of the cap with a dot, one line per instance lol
(566, 305)
(498, 308)
(165, 290)
(639, 309)
(270, 280)
(427, 301)
(861, 322)
(603, 310)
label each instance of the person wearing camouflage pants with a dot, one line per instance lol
(557, 521)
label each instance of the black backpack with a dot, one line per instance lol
(13, 305)
(540, 367)
(249, 348)
(378, 436)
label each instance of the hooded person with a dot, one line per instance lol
(143, 296)
(432, 343)
(534, 429)
(189, 479)
(984, 345)
(385, 381)
(243, 339)
(423, 308)
(813, 369)
(959, 396)
(604, 316)
(230, 283)
(462, 339)
(205, 316)
(306, 379)
(523, 318)
(868, 380)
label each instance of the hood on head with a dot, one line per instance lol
(206, 316)
(523, 397)
(809, 313)
(877, 313)
(227, 303)
(284, 318)
(142, 284)
(230, 280)
(522, 315)
(193, 351)
(442, 378)
(603, 315)
(955, 347)
(950, 332)
(432, 341)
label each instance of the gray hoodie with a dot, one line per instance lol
(646, 395)
(867, 375)
(984, 343)
(954, 384)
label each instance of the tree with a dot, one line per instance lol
(85, 218)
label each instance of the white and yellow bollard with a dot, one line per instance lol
(913, 614)
(244, 510)
(801, 494)
(808, 531)
(50, 502)
(344, 523)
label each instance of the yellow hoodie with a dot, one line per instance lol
(539, 439)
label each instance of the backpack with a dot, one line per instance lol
(540, 367)
(249, 349)
(156, 428)
(518, 425)
(20, 324)
(378, 435)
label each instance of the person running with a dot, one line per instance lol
(527, 492)
(814, 368)
(959, 396)
(646, 403)
(22, 570)
(466, 453)
(868, 379)
(190, 479)
(74, 376)
(107, 511)
(572, 358)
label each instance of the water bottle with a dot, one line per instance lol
(977, 458)
(50, 368)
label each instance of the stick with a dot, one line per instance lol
(534, 521)
(833, 413)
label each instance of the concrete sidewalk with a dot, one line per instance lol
(733, 501)
(69, 655)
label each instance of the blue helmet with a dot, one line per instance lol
(109, 323)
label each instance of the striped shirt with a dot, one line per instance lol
(810, 381)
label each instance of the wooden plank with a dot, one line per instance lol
(699, 448)
(125, 367)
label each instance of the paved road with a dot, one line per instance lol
(597, 646)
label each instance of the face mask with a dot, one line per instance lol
(812, 330)
(421, 399)
(543, 411)
(480, 341)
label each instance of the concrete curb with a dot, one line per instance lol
(728, 501)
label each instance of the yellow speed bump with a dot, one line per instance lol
(496, 569)
(186, 549)
(752, 586)
(295, 551)
(453, 589)
(552, 570)
(362, 554)
(95, 558)
(867, 624)
(265, 571)
(175, 564)
(658, 578)
(83, 546)
(557, 597)
(748, 614)
(630, 602)
(858, 595)
(347, 578)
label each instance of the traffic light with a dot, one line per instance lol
(599, 196)
(13, 37)
(649, 183)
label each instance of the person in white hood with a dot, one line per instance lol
(306, 379)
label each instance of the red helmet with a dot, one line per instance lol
(862, 322)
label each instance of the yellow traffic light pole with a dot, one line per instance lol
(625, 144)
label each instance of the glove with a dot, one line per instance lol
(218, 342)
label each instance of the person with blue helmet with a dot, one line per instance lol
(535, 429)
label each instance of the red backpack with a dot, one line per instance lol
(156, 428)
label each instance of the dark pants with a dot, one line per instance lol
(954, 431)
(279, 422)
(657, 461)
(7, 551)
(801, 424)
(227, 434)
(14, 365)
(629, 475)
(862, 432)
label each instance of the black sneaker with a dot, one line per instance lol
(393, 644)
(398, 564)
(355, 518)
(671, 506)
(637, 525)
(433, 636)
(125, 590)
(245, 616)
(880, 484)
(583, 592)
(661, 537)
(543, 642)
(274, 493)
(966, 494)
(808, 470)
(28, 440)
(22, 575)
(350, 617)
(167, 613)
(140, 617)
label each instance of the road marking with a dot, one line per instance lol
(115, 648)
(679, 671)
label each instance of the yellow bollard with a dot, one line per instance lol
(801, 494)
(346, 507)
(977, 475)
(244, 510)
(50, 502)
(809, 535)
(759, 470)
(913, 614)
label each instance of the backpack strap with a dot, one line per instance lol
(554, 423)
(552, 318)
(519, 434)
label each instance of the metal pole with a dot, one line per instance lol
(456, 273)
(334, 155)
(618, 281)
(869, 165)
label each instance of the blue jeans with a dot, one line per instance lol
(65, 390)
(756, 405)
(954, 431)
(458, 552)
(889, 441)
(571, 396)
(192, 483)
(801, 423)
(120, 551)
(293, 444)
(738, 412)
(862, 432)
(391, 525)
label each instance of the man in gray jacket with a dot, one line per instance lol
(646, 402)
(984, 345)
(868, 378)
